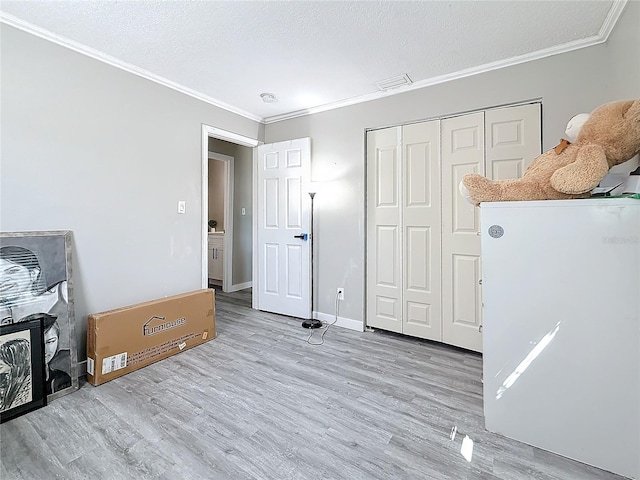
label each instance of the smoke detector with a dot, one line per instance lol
(268, 97)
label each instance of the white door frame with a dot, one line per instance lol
(228, 217)
(209, 131)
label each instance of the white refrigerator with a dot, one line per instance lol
(561, 327)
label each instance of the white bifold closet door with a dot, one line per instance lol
(498, 144)
(384, 256)
(462, 153)
(422, 298)
(403, 240)
(423, 244)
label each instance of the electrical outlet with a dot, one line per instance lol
(340, 293)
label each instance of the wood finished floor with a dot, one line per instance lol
(258, 402)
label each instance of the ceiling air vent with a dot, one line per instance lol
(394, 82)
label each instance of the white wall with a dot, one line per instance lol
(99, 151)
(568, 84)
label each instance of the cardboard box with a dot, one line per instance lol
(127, 339)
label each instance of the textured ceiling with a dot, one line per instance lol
(312, 55)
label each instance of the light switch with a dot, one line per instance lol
(244, 211)
(182, 206)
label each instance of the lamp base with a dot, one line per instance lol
(311, 323)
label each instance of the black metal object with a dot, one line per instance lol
(311, 323)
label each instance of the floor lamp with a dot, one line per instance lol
(311, 323)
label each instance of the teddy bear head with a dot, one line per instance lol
(616, 128)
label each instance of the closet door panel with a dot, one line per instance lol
(422, 295)
(386, 266)
(462, 153)
(513, 140)
(505, 169)
(467, 304)
(384, 255)
(463, 221)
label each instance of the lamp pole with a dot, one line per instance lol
(311, 323)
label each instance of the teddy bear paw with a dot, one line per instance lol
(464, 191)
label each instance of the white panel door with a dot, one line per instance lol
(462, 154)
(421, 226)
(384, 236)
(284, 280)
(513, 140)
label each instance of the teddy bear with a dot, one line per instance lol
(609, 136)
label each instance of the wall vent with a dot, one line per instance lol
(394, 82)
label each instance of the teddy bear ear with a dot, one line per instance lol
(575, 125)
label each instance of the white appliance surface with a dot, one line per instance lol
(561, 327)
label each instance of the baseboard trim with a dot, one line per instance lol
(343, 322)
(240, 286)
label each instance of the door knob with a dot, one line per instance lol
(303, 236)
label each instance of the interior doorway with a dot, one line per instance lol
(220, 223)
(228, 240)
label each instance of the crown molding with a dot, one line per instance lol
(114, 62)
(602, 36)
(612, 18)
(488, 67)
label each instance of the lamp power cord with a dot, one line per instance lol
(325, 326)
